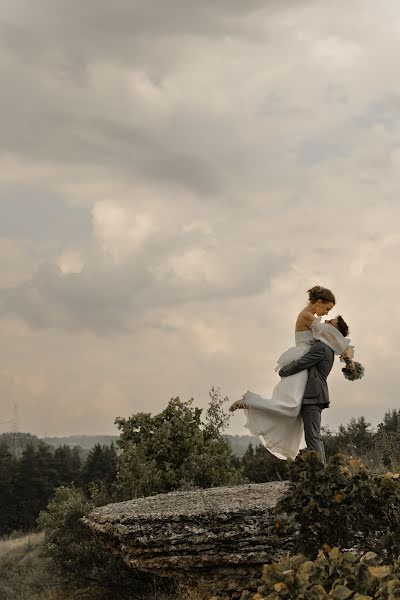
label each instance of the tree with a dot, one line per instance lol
(36, 479)
(67, 463)
(8, 476)
(356, 437)
(175, 450)
(101, 466)
(260, 466)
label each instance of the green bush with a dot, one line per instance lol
(342, 504)
(175, 450)
(78, 560)
(334, 575)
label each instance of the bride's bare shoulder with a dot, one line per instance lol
(304, 320)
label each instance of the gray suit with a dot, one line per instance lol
(319, 361)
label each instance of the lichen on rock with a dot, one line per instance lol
(214, 538)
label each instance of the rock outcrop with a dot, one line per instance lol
(213, 539)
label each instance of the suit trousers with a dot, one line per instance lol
(311, 414)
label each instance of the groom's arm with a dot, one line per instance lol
(313, 356)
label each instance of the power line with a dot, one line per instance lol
(15, 444)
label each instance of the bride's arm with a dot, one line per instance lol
(348, 353)
(335, 339)
(347, 356)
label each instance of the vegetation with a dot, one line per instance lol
(260, 466)
(175, 450)
(182, 448)
(101, 468)
(341, 504)
(77, 559)
(29, 482)
(23, 572)
(334, 574)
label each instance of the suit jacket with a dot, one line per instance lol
(319, 361)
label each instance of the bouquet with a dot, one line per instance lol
(353, 374)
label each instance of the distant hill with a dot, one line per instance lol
(240, 443)
(86, 442)
(18, 442)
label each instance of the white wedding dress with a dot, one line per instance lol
(277, 420)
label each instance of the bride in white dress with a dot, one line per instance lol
(277, 420)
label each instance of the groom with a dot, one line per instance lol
(319, 361)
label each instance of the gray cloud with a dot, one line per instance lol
(40, 215)
(84, 24)
(174, 177)
(108, 298)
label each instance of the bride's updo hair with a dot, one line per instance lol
(320, 293)
(342, 326)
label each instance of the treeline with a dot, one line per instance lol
(28, 482)
(379, 448)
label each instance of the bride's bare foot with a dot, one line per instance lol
(238, 404)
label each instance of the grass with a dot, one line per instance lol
(23, 574)
(17, 547)
(26, 575)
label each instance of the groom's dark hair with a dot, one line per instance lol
(342, 326)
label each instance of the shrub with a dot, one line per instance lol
(175, 450)
(77, 558)
(334, 575)
(342, 504)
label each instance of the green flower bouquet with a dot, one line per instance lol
(354, 374)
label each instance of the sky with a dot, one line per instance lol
(173, 177)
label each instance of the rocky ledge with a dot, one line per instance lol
(212, 539)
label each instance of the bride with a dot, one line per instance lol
(277, 421)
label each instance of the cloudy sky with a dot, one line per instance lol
(174, 176)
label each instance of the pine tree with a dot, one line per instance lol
(391, 421)
(67, 463)
(101, 466)
(36, 480)
(28, 489)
